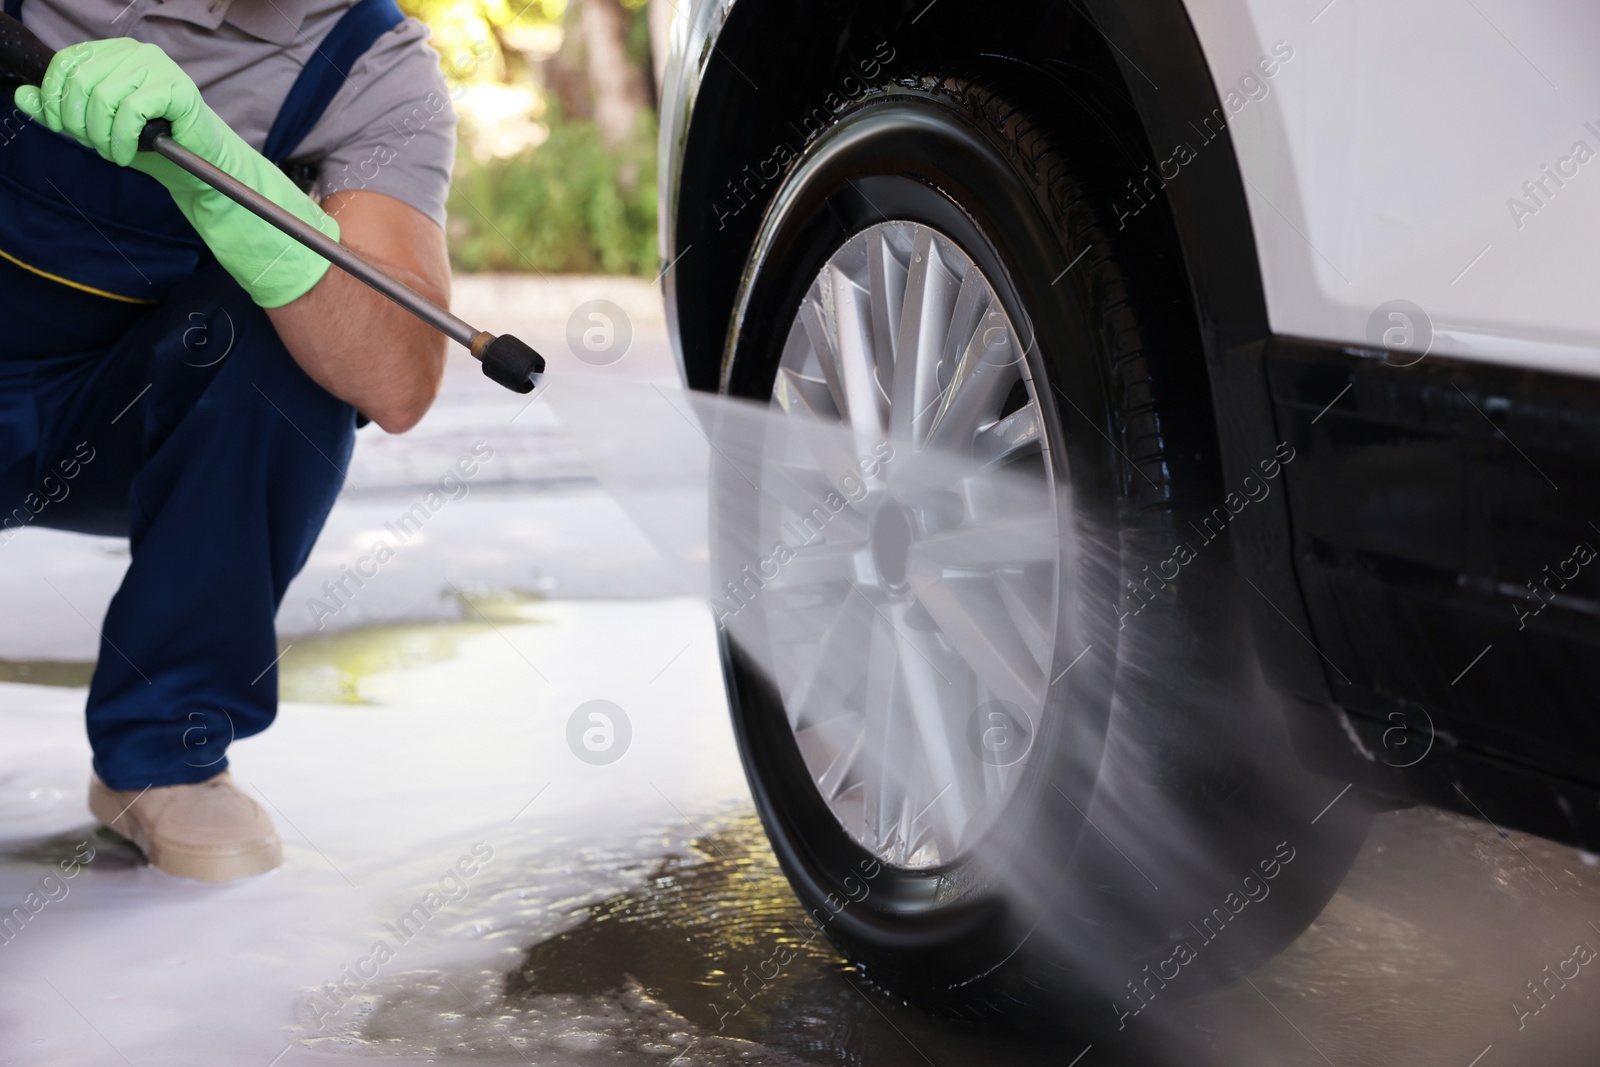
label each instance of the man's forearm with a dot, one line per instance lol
(365, 349)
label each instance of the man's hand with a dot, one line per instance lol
(103, 93)
(360, 346)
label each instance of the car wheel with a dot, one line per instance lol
(1003, 769)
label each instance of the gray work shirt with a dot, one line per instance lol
(391, 128)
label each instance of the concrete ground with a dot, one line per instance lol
(466, 881)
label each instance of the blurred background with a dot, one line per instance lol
(556, 163)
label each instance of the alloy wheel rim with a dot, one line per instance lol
(914, 630)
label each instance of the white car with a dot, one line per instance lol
(1302, 340)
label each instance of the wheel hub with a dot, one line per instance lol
(892, 532)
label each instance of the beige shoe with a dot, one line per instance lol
(209, 830)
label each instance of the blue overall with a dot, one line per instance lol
(143, 394)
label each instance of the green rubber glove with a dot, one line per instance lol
(103, 93)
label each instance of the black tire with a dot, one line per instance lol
(1165, 761)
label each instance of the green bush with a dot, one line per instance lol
(571, 205)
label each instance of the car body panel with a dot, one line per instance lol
(1383, 160)
(1387, 158)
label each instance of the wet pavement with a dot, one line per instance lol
(465, 883)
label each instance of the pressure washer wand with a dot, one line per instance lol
(506, 360)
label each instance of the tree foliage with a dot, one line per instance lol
(477, 38)
(577, 202)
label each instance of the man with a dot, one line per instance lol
(174, 370)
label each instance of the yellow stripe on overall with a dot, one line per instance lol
(69, 282)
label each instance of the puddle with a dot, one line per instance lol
(332, 668)
(707, 960)
(91, 846)
(717, 937)
(71, 674)
(315, 668)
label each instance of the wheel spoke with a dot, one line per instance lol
(804, 490)
(1015, 540)
(1021, 431)
(1028, 598)
(803, 472)
(797, 395)
(822, 692)
(972, 615)
(939, 720)
(925, 315)
(852, 320)
(884, 777)
(887, 277)
(986, 372)
(834, 746)
(972, 301)
(814, 320)
(824, 563)
(796, 488)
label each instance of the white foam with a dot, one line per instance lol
(374, 803)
